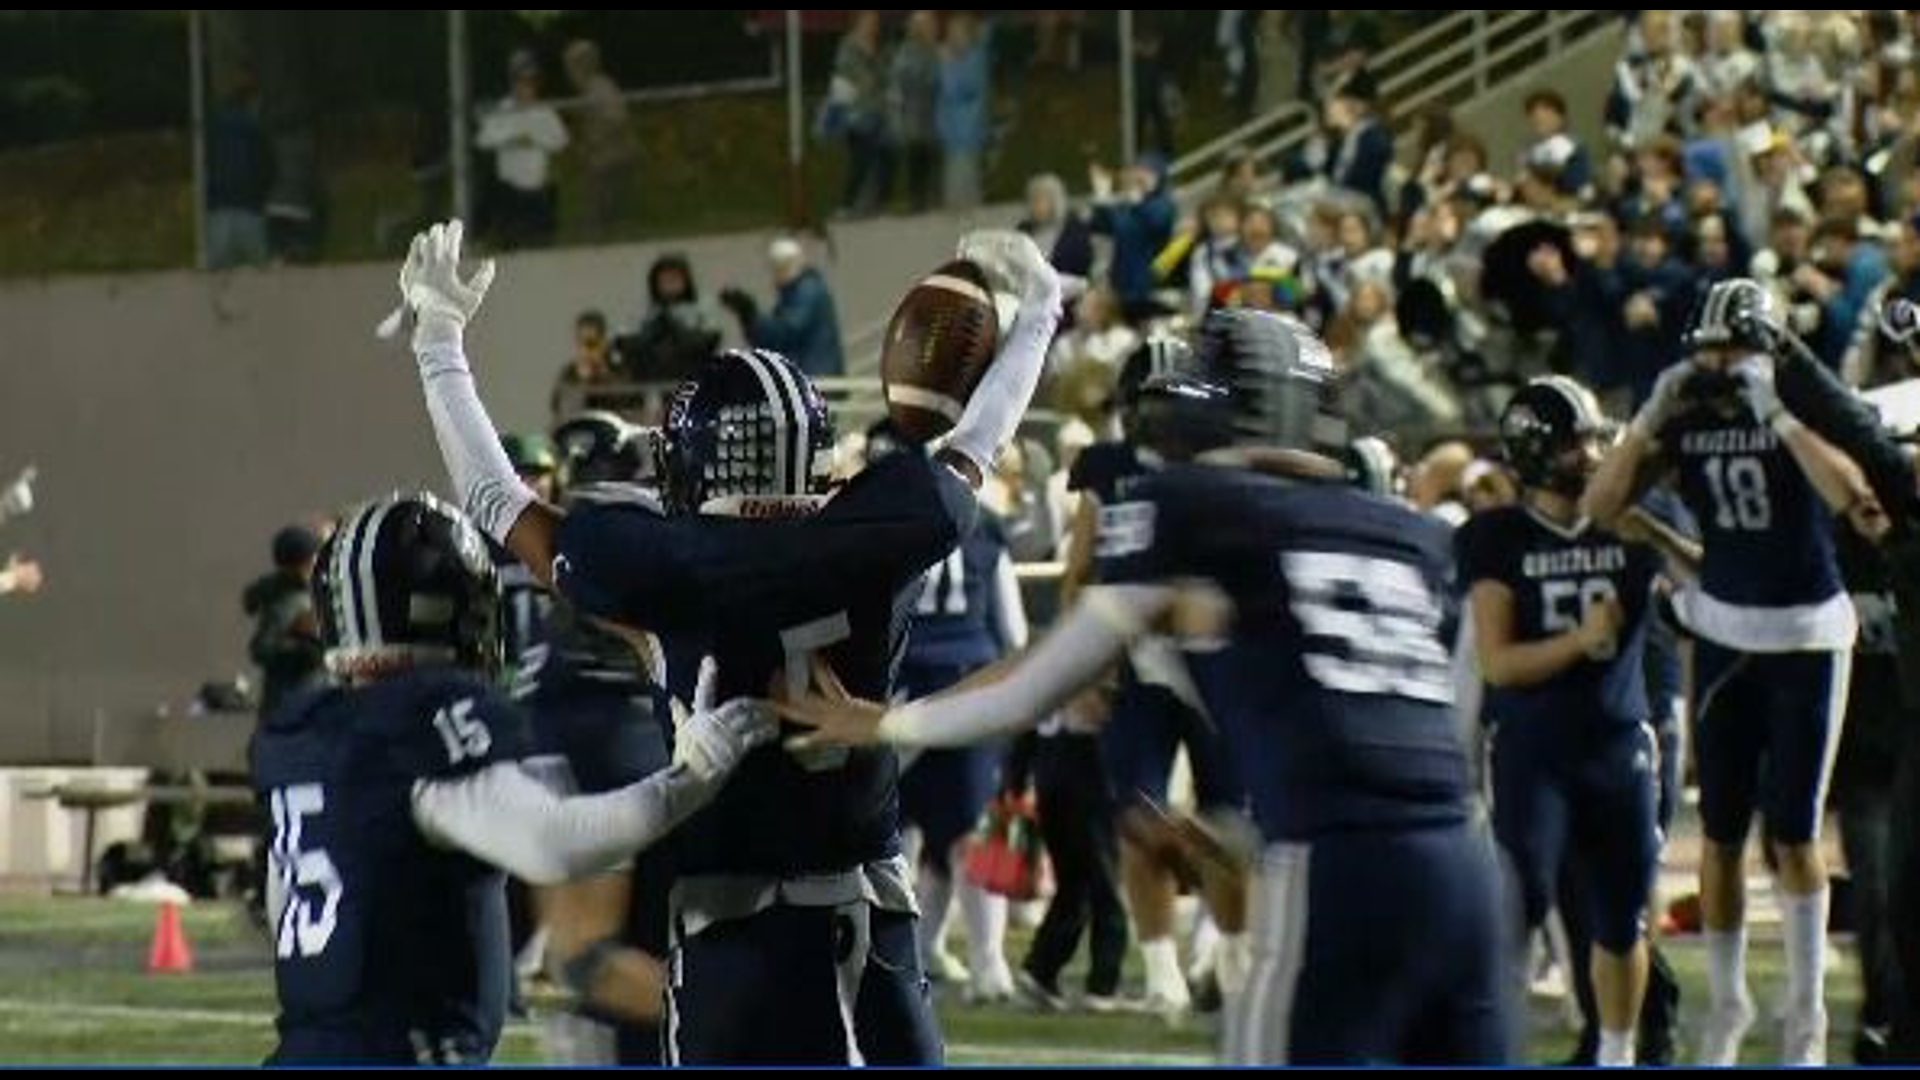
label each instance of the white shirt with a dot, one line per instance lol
(522, 138)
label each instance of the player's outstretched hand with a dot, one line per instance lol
(836, 717)
(1666, 399)
(711, 741)
(1755, 374)
(432, 288)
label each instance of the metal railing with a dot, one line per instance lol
(1464, 55)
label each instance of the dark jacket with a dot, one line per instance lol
(1139, 230)
(285, 643)
(676, 336)
(1073, 249)
(804, 326)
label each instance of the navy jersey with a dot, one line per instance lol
(1768, 578)
(1333, 688)
(594, 705)
(388, 949)
(765, 595)
(957, 617)
(1555, 574)
(525, 605)
(1109, 471)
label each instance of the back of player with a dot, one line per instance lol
(388, 950)
(1334, 694)
(1333, 689)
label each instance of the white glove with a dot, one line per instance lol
(711, 742)
(431, 287)
(1755, 375)
(1014, 264)
(1665, 402)
(17, 499)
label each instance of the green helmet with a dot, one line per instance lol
(529, 454)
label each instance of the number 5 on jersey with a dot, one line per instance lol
(303, 922)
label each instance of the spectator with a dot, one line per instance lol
(286, 635)
(1805, 96)
(1653, 85)
(21, 575)
(961, 111)
(1773, 184)
(1660, 296)
(1261, 248)
(1727, 64)
(913, 94)
(1584, 299)
(1365, 148)
(239, 176)
(1433, 131)
(1217, 259)
(606, 139)
(1240, 177)
(1138, 212)
(856, 107)
(523, 133)
(1872, 359)
(1086, 360)
(1841, 271)
(678, 333)
(1658, 193)
(1554, 149)
(804, 325)
(1156, 98)
(1056, 229)
(591, 363)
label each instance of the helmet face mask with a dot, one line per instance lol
(406, 581)
(749, 426)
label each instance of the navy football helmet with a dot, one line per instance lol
(1279, 378)
(407, 580)
(749, 424)
(601, 448)
(1372, 466)
(1545, 420)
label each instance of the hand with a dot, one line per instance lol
(836, 717)
(1755, 376)
(431, 287)
(1641, 311)
(1013, 264)
(1666, 400)
(711, 742)
(21, 575)
(1600, 628)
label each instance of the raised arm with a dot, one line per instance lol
(483, 479)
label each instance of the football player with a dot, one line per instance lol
(398, 795)
(1330, 683)
(792, 908)
(1560, 612)
(1772, 626)
(1155, 709)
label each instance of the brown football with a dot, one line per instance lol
(939, 343)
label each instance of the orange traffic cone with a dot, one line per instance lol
(170, 952)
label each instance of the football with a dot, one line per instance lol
(939, 343)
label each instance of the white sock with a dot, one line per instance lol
(1727, 968)
(1616, 1048)
(985, 916)
(934, 891)
(1201, 946)
(1234, 963)
(1162, 959)
(1803, 920)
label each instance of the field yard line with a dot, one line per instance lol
(1053, 1055)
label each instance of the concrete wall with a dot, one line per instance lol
(179, 418)
(1584, 76)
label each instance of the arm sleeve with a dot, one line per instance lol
(483, 479)
(993, 413)
(1817, 397)
(506, 816)
(1077, 651)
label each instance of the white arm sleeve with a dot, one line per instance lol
(483, 479)
(1078, 650)
(993, 412)
(1010, 611)
(508, 817)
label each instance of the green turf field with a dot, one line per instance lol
(75, 991)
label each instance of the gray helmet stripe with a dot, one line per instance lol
(368, 589)
(777, 401)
